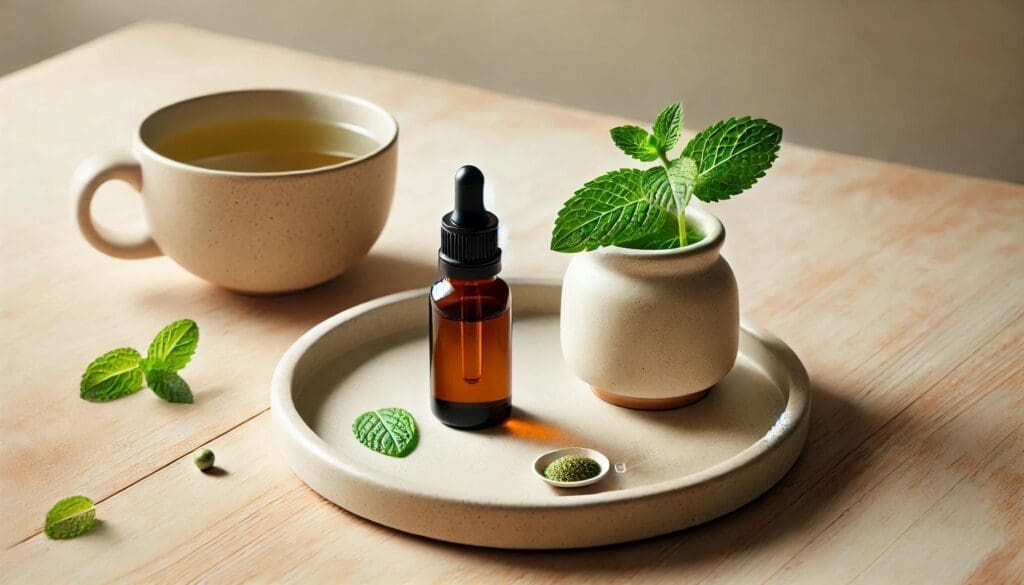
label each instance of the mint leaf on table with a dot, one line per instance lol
(608, 210)
(112, 375)
(122, 371)
(173, 346)
(171, 351)
(667, 127)
(70, 517)
(636, 142)
(391, 431)
(732, 155)
(169, 386)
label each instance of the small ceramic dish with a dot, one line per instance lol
(541, 463)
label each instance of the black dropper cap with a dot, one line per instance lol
(469, 233)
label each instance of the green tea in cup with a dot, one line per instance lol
(265, 145)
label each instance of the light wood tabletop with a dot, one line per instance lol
(902, 290)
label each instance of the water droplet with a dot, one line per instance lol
(620, 468)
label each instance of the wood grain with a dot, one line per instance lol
(902, 290)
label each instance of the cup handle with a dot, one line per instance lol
(90, 174)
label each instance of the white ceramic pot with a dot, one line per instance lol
(652, 329)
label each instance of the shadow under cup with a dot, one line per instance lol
(258, 191)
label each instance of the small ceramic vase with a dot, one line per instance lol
(652, 329)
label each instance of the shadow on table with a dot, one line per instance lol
(377, 275)
(819, 479)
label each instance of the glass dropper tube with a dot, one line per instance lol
(472, 335)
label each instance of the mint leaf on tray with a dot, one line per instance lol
(391, 431)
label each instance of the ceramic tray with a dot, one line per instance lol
(673, 469)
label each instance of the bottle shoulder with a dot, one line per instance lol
(483, 298)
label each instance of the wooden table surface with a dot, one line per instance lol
(901, 289)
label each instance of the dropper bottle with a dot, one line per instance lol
(470, 321)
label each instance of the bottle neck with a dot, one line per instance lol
(470, 281)
(458, 270)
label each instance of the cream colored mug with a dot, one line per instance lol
(253, 232)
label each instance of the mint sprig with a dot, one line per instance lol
(627, 207)
(121, 372)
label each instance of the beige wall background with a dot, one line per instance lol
(938, 84)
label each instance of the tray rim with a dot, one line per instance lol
(287, 419)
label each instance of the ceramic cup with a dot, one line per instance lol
(251, 232)
(652, 329)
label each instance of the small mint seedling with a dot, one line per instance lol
(646, 209)
(121, 372)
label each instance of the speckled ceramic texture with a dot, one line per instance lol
(250, 232)
(682, 467)
(652, 329)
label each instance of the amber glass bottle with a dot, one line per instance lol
(470, 322)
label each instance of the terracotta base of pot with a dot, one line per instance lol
(649, 403)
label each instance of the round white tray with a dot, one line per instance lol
(674, 469)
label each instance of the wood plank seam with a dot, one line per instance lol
(157, 470)
(233, 526)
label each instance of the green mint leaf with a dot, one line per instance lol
(667, 127)
(670, 188)
(391, 431)
(682, 175)
(657, 188)
(112, 375)
(70, 517)
(608, 210)
(665, 236)
(168, 385)
(173, 346)
(732, 155)
(635, 142)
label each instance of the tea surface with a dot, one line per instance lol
(265, 145)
